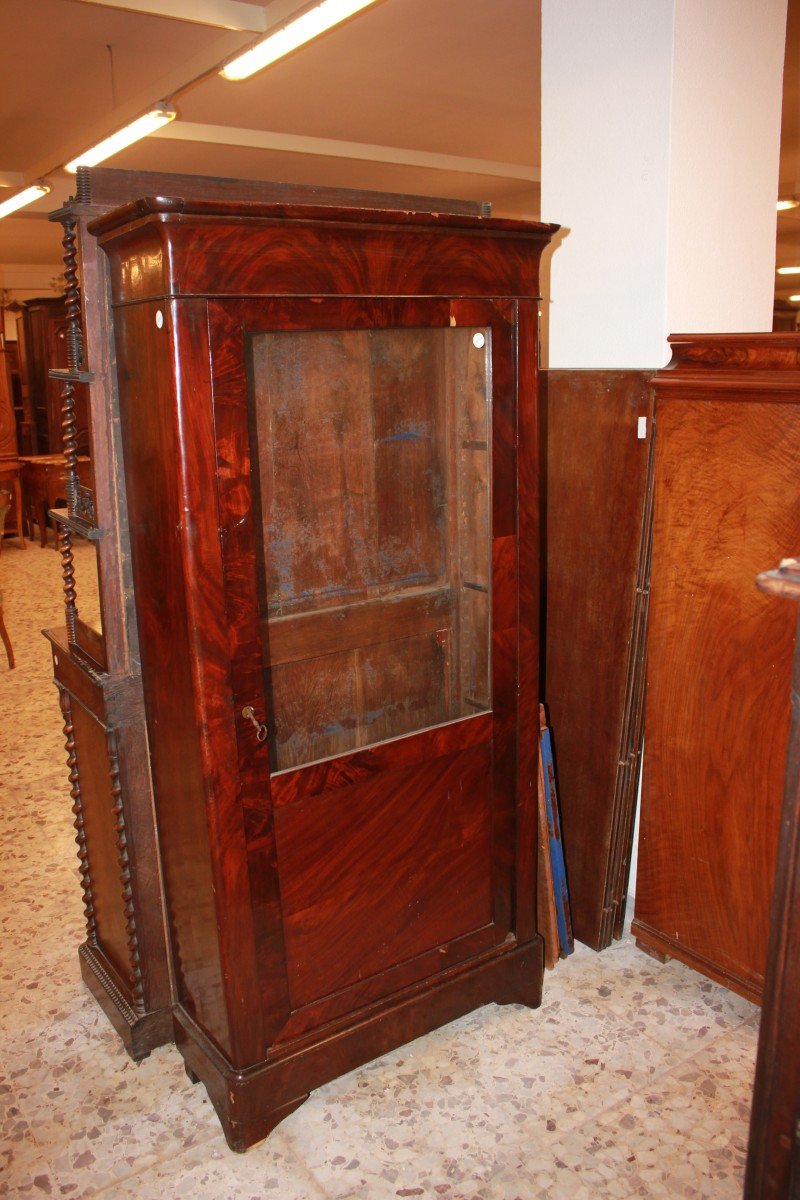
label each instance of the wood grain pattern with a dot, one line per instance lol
(365, 623)
(528, 667)
(416, 842)
(323, 912)
(251, 1105)
(224, 659)
(122, 958)
(317, 778)
(99, 674)
(149, 425)
(595, 494)
(325, 252)
(727, 498)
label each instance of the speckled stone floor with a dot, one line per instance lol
(633, 1079)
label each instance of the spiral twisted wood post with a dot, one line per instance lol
(136, 979)
(68, 422)
(77, 810)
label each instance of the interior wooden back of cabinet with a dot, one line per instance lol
(372, 451)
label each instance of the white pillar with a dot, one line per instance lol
(660, 142)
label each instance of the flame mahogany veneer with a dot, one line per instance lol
(324, 914)
(719, 655)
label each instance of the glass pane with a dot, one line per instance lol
(372, 451)
(87, 588)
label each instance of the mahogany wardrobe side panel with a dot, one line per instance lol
(727, 504)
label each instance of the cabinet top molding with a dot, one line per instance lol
(766, 364)
(163, 248)
(366, 215)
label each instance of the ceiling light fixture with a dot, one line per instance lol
(27, 196)
(162, 114)
(795, 299)
(787, 202)
(789, 270)
(289, 37)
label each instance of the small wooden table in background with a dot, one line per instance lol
(43, 487)
(9, 482)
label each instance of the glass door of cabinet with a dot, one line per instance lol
(368, 520)
(371, 449)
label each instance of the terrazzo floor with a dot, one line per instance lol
(632, 1079)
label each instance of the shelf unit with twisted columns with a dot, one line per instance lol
(124, 957)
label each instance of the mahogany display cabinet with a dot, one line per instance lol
(329, 426)
(124, 958)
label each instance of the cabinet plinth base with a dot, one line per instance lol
(140, 1032)
(663, 948)
(653, 952)
(250, 1103)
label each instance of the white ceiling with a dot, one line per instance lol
(441, 98)
(413, 82)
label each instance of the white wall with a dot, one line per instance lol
(723, 179)
(660, 148)
(660, 134)
(605, 124)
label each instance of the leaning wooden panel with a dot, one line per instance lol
(596, 585)
(727, 501)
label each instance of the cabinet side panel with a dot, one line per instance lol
(727, 499)
(595, 495)
(528, 615)
(101, 838)
(151, 455)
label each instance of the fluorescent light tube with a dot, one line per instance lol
(795, 299)
(162, 114)
(789, 202)
(789, 270)
(22, 198)
(302, 29)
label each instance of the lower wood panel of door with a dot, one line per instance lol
(250, 1103)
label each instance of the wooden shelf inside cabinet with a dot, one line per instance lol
(329, 439)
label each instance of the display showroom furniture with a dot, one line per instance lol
(329, 431)
(726, 506)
